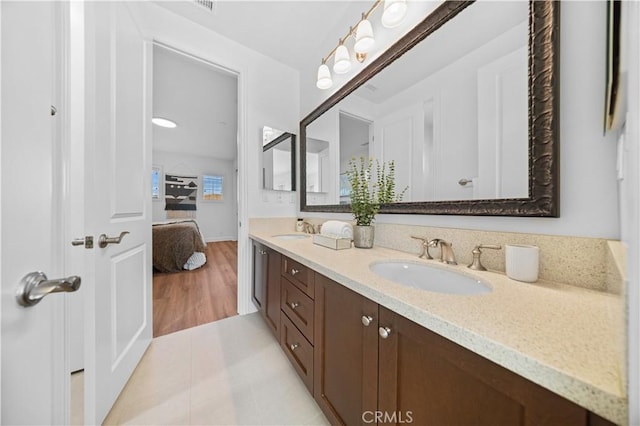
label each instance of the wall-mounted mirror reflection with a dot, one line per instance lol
(278, 160)
(452, 113)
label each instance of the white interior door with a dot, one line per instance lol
(503, 148)
(34, 377)
(399, 137)
(117, 199)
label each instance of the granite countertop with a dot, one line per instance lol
(567, 339)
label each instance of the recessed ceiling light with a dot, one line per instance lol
(163, 122)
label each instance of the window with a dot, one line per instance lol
(212, 187)
(156, 183)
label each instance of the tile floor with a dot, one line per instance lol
(229, 372)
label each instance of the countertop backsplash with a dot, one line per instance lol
(593, 263)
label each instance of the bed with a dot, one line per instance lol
(177, 245)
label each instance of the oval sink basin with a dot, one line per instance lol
(291, 236)
(426, 277)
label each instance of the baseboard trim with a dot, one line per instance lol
(217, 239)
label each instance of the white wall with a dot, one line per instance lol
(588, 193)
(216, 219)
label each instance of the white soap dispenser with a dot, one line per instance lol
(299, 225)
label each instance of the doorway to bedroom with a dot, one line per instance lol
(194, 191)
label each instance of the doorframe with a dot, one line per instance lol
(61, 202)
(0, 203)
(244, 254)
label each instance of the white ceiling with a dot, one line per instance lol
(292, 32)
(201, 99)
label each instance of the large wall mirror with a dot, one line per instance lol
(466, 105)
(278, 160)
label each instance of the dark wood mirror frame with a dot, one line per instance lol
(544, 90)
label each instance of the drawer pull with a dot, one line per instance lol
(294, 346)
(366, 320)
(262, 252)
(294, 305)
(384, 332)
(294, 271)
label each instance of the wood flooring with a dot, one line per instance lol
(186, 299)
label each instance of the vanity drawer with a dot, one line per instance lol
(298, 307)
(299, 275)
(298, 350)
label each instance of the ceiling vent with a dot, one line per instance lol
(370, 87)
(210, 5)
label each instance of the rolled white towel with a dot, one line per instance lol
(337, 229)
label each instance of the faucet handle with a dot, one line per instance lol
(477, 251)
(425, 247)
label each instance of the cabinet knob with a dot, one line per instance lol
(384, 332)
(294, 346)
(262, 252)
(294, 305)
(294, 271)
(366, 320)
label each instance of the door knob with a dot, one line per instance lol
(384, 332)
(366, 320)
(35, 286)
(104, 241)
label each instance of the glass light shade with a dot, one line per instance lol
(324, 77)
(364, 37)
(394, 13)
(342, 60)
(163, 122)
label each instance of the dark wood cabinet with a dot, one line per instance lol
(345, 353)
(434, 381)
(394, 371)
(365, 364)
(266, 285)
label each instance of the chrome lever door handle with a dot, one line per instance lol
(104, 241)
(35, 286)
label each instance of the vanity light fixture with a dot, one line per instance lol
(163, 122)
(393, 14)
(324, 77)
(342, 60)
(364, 36)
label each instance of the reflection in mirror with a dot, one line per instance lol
(278, 160)
(467, 106)
(452, 113)
(317, 165)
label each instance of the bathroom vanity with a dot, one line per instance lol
(364, 345)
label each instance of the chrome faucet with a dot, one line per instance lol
(476, 252)
(308, 228)
(425, 247)
(446, 251)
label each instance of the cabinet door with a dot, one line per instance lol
(260, 263)
(426, 379)
(272, 294)
(345, 353)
